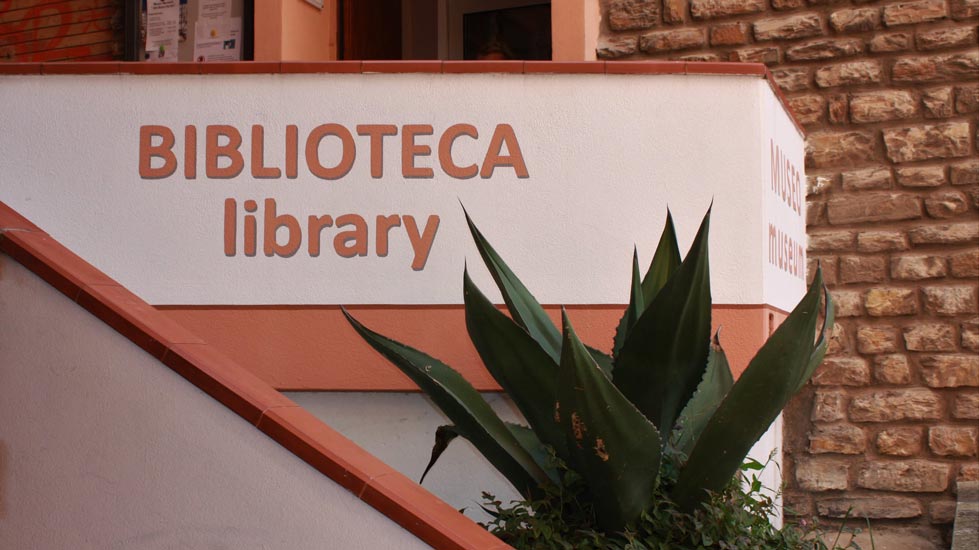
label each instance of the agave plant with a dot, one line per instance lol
(665, 388)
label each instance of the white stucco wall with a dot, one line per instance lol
(103, 447)
(600, 175)
(399, 428)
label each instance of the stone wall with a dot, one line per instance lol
(888, 92)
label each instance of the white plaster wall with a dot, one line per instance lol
(102, 447)
(606, 155)
(399, 428)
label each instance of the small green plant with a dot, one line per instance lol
(660, 419)
(737, 518)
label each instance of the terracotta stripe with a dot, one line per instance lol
(205, 366)
(395, 66)
(312, 348)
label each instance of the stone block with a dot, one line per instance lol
(862, 269)
(831, 241)
(619, 45)
(821, 474)
(927, 141)
(938, 103)
(915, 476)
(849, 74)
(791, 80)
(920, 176)
(828, 406)
(877, 507)
(842, 371)
(895, 405)
(946, 38)
(900, 441)
(838, 109)
(950, 300)
(952, 440)
(946, 204)
(891, 42)
(955, 233)
(934, 68)
(837, 438)
(710, 9)
(917, 267)
(964, 173)
(768, 55)
(729, 34)
(808, 109)
(967, 99)
(970, 334)
(877, 177)
(965, 406)
(782, 5)
(888, 302)
(892, 369)
(883, 105)
(875, 339)
(674, 11)
(788, 28)
(827, 48)
(961, 10)
(929, 337)
(625, 15)
(849, 303)
(831, 149)
(965, 264)
(881, 241)
(950, 371)
(855, 20)
(671, 40)
(908, 13)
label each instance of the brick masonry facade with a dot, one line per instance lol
(888, 92)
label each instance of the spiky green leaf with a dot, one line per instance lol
(443, 436)
(717, 381)
(524, 308)
(611, 444)
(665, 354)
(635, 308)
(665, 262)
(822, 343)
(518, 363)
(472, 416)
(528, 438)
(752, 404)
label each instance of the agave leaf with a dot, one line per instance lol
(518, 363)
(602, 359)
(635, 308)
(524, 308)
(528, 438)
(611, 444)
(752, 404)
(472, 416)
(717, 381)
(665, 261)
(443, 436)
(665, 355)
(829, 319)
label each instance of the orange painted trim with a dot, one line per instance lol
(313, 348)
(408, 66)
(376, 483)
